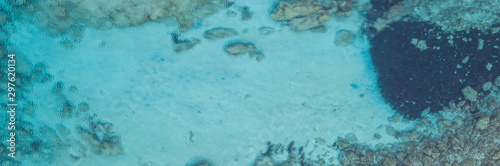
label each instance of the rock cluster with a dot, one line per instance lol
(49, 144)
(69, 18)
(468, 138)
(306, 14)
(463, 133)
(101, 138)
(458, 15)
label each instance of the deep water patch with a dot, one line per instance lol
(419, 66)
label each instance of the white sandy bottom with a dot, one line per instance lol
(171, 108)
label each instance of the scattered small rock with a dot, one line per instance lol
(66, 43)
(264, 161)
(351, 138)
(266, 30)
(487, 86)
(420, 44)
(391, 131)
(3, 18)
(489, 66)
(257, 55)
(181, 45)
(343, 38)
(203, 163)
(67, 108)
(73, 88)
(246, 14)
(480, 44)
(483, 122)
(497, 81)
(469, 93)
(320, 141)
(83, 107)
(58, 88)
(231, 13)
(101, 138)
(319, 29)
(496, 156)
(341, 143)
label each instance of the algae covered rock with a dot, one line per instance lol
(343, 38)
(308, 22)
(60, 17)
(469, 93)
(304, 14)
(288, 10)
(184, 44)
(219, 32)
(483, 122)
(240, 48)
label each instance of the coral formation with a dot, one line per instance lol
(454, 16)
(69, 18)
(46, 144)
(101, 138)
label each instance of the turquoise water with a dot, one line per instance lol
(202, 82)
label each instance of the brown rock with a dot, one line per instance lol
(289, 10)
(240, 48)
(308, 22)
(219, 33)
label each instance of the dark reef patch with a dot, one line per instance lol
(413, 78)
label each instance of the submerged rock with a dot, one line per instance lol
(219, 32)
(308, 22)
(60, 17)
(246, 14)
(240, 48)
(343, 38)
(185, 44)
(412, 79)
(101, 138)
(288, 10)
(469, 93)
(266, 30)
